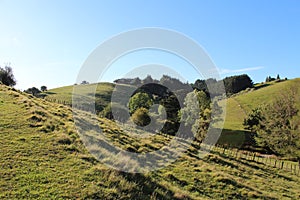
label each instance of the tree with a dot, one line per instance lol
(279, 126)
(252, 121)
(43, 88)
(278, 77)
(34, 91)
(235, 84)
(196, 113)
(7, 76)
(84, 83)
(139, 100)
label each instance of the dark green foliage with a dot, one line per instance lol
(200, 85)
(139, 100)
(269, 78)
(34, 91)
(7, 76)
(43, 88)
(278, 125)
(232, 84)
(252, 122)
(278, 77)
(235, 84)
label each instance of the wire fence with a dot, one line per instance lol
(269, 160)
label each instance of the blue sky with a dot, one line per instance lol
(46, 42)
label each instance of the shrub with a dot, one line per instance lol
(141, 117)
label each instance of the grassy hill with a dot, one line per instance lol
(42, 157)
(241, 104)
(63, 95)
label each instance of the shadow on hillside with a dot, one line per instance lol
(47, 92)
(262, 86)
(235, 138)
(144, 188)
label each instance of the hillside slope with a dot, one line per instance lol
(239, 105)
(42, 157)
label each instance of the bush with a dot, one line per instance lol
(141, 117)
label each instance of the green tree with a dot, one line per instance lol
(139, 100)
(34, 91)
(280, 126)
(253, 120)
(196, 113)
(7, 76)
(43, 88)
(235, 84)
(278, 77)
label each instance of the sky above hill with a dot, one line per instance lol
(46, 42)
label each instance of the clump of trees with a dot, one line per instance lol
(7, 76)
(270, 79)
(235, 84)
(36, 92)
(277, 125)
(33, 91)
(232, 84)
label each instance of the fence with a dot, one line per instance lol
(269, 160)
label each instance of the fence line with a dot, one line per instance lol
(267, 160)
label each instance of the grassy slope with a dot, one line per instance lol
(102, 94)
(239, 105)
(265, 95)
(42, 157)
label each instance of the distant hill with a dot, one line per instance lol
(42, 157)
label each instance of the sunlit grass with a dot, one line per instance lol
(42, 157)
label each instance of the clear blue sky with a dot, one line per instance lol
(47, 41)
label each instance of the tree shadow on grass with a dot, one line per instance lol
(144, 188)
